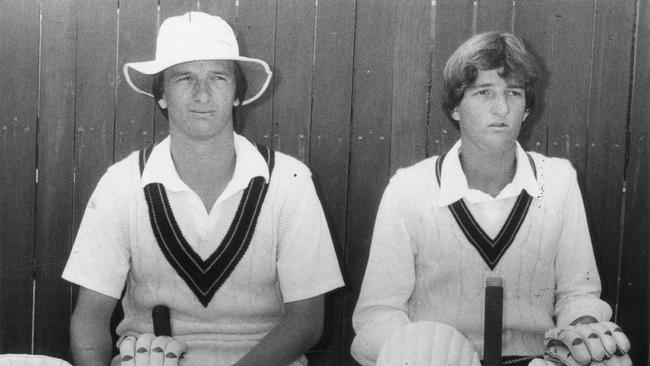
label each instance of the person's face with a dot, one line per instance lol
(491, 112)
(199, 97)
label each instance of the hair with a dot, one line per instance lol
(158, 87)
(483, 52)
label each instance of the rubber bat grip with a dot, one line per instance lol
(161, 323)
(493, 321)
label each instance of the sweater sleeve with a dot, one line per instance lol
(388, 283)
(577, 281)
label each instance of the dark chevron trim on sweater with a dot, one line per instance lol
(204, 278)
(491, 250)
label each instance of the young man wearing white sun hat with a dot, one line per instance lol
(230, 236)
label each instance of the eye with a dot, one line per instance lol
(515, 93)
(219, 77)
(484, 92)
(183, 78)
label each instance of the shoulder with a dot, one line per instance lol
(553, 168)
(289, 169)
(422, 172)
(122, 175)
(561, 165)
(556, 176)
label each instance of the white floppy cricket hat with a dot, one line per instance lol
(197, 36)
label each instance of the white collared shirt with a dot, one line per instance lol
(490, 212)
(160, 169)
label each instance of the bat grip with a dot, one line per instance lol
(493, 321)
(161, 323)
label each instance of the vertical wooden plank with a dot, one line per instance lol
(255, 28)
(411, 78)
(494, 15)
(226, 9)
(370, 145)
(569, 84)
(55, 180)
(632, 310)
(533, 23)
(95, 97)
(134, 121)
(171, 8)
(607, 126)
(294, 55)
(453, 24)
(19, 26)
(330, 145)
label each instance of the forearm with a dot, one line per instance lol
(296, 332)
(91, 342)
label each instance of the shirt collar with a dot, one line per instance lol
(453, 183)
(249, 163)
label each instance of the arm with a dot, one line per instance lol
(90, 328)
(299, 329)
(577, 280)
(388, 283)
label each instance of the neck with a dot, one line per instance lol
(206, 166)
(191, 157)
(490, 171)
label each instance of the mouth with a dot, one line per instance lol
(498, 125)
(202, 113)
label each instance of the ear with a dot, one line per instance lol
(526, 114)
(236, 103)
(455, 115)
(162, 103)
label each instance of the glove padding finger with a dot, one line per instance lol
(622, 342)
(127, 351)
(157, 354)
(173, 352)
(618, 361)
(143, 349)
(594, 341)
(571, 340)
(606, 338)
(560, 355)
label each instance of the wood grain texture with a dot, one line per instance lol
(606, 133)
(533, 23)
(134, 120)
(411, 80)
(370, 142)
(95, 97)
(569, 82)
(632, 310)
(19, 24)
(294, 60)
(54, 202)
(494, 15)
(452, 25)
(330, 146)
(256, 28)
(226, 9)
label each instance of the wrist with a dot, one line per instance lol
(585, 319)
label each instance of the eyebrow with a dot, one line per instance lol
(487, 85)
(176, 73)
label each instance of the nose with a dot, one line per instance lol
(500, 106)
(201, 91)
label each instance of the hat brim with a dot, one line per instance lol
(257, 72)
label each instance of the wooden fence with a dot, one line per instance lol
(355, 94)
